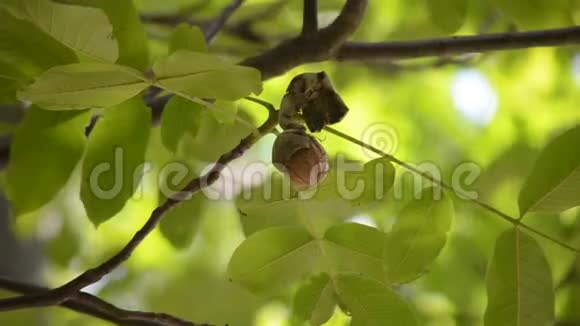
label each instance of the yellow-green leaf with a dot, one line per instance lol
(419, 234)
(82, 29)
(352, 247)
(180, 224)
(314, 301)
(519, 283)
(186, 37)
(205, 75)
(554, 182)
(127, 30)
(45, 149)
(84, 85)
(24, 45)
(180, 118)
(113, 164)
(372, 303)
(273, 257)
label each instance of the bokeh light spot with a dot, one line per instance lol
(474, 96)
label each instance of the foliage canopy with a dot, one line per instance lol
(122, 104)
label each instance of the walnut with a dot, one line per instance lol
(301, 157)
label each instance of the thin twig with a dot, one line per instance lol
(310, 17)
(241, 29)
(93, 306)
(444, 185)
(213, 28)
(61, 294)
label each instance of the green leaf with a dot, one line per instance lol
(372, 303)
(341, 195)
(186, 37)
(205, 75)
(554, 182)
(114, 160)
(180, 224)
(357, 185)
(82, 29)
(314, 301)
(419, 234)
(352, 247)
(448, 15)
(225, 111)
(378, 177)
(535, 14)
(222, 137)
(519, 283)
(180, 117)
(84, 85)
(273, 257)
(127, 30)
(24, 45)
(45, 150)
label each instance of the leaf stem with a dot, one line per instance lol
(444, 185)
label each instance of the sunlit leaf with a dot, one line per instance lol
(378, 176)
(114, 160)
(554, 182)
(419, 234)
(519, 283)
(353, 247)
(346, 191)
(372, 303)
(127, 30)
(448, 15)
(223, 137)
(84, 85)
(205, 75)
(24, 45)
(314, 301)
(273, 257)
(180, 117)
(85, 30)
(186, 37)
(225, 111)
(45, 149)
(180, 224)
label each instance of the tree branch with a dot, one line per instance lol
(310, 17)
(309, 48)
(70, 290)
(91, 305)
(458, 45)
(327, 40)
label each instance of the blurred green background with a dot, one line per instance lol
(495, 110)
